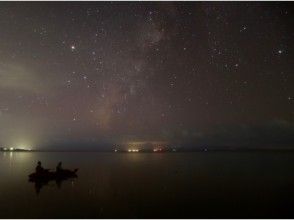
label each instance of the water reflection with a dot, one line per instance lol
(40, 183)
(179, 185)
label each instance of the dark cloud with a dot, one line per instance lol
(274, 134)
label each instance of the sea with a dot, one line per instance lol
(150, 185)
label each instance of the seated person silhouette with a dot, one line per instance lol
(59, 168)
(61, 171)
(39, 168)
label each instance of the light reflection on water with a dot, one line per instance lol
(146, 185)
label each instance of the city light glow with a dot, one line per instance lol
(133, 150)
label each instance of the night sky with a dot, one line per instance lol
(94, 74)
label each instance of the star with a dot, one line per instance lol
(73, 47)
(243, 28)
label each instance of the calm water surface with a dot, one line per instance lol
(146, 185)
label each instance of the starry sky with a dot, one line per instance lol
(81, 74)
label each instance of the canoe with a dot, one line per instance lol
(47, 175)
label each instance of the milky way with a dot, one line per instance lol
(187, 73)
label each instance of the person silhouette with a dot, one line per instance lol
(39, 168)
(59, 167)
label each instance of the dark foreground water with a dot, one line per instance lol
(145, 185)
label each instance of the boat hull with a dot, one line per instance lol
(47, 176)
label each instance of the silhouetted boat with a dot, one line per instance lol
(47, 176)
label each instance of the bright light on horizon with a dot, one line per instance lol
(24, 147)
(159, 149)
(133, 150)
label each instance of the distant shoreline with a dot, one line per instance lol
(147, 151)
